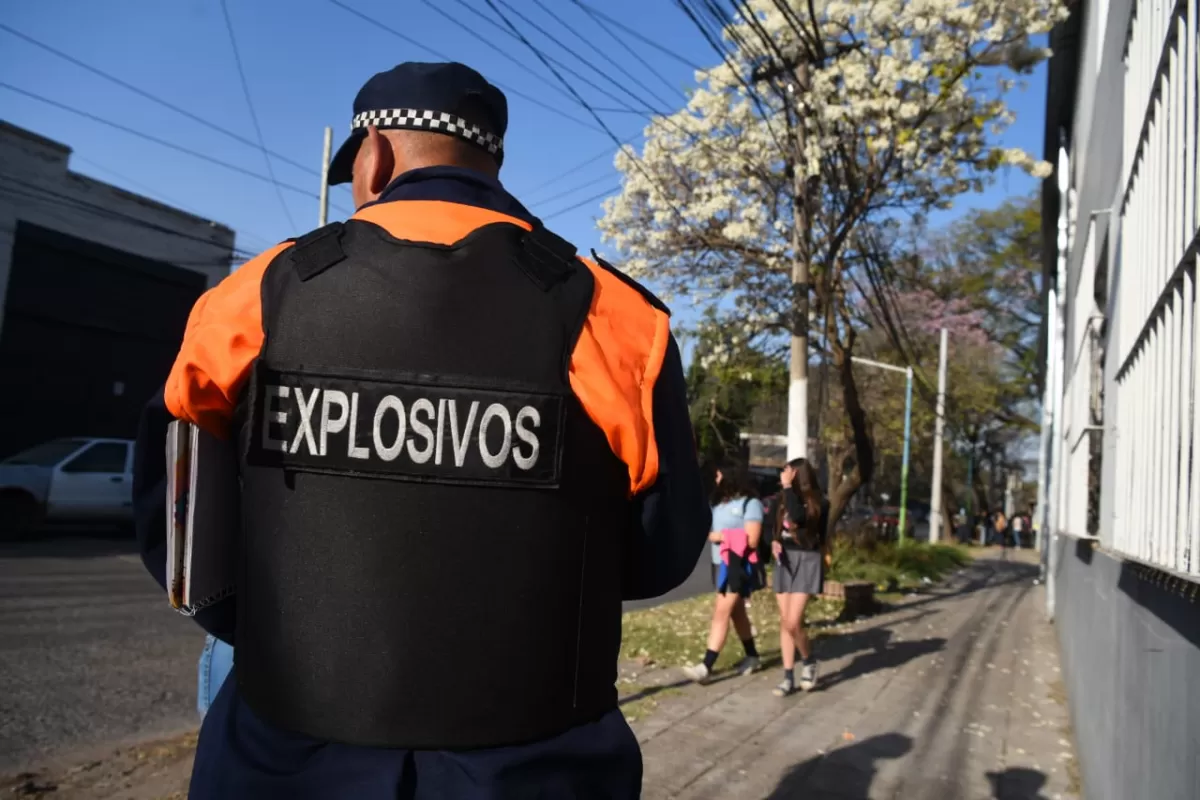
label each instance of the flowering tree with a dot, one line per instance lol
(980, 279)
(825, 119)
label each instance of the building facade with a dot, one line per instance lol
(95, 287)
(1119, 475)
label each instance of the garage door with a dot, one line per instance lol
(89, 333)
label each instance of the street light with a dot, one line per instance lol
(908, 374)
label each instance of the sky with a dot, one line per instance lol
(303, 62)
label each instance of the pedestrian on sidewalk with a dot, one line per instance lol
(1001, 525)
(800, 553)
(737, 517)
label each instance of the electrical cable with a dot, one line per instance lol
(595, 12)
(154, 194)
(41, 194)
(541, 57)
(162, 142)
(444, 57)
(637, 56)
(546, 9)
(573, 189)
(620, 86)
(156, 99)
(237, 60)
(494, 47)
(574, 206)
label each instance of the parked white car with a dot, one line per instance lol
(67, 480)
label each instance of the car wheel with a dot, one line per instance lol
(20, 515)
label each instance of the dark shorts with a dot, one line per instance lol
(721, 580)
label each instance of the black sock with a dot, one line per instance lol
(789, 676)
(751, 650)
(710, 658)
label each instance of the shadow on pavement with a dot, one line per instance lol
(650, 691)
(845, 773)
(1017, 783)
(1018, 573)
(885, 657)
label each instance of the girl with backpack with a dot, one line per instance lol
(736, 528)
(800, 552)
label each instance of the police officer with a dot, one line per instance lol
(462, 445)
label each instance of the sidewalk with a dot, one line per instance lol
(953, 696)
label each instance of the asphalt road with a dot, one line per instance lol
(91, 655)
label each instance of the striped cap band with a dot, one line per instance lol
(440, 121)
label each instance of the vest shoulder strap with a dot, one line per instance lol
(546, 258)
(317, 251)
(628, 281)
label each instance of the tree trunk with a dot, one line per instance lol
(863, 446)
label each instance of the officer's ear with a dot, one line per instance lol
(379, 161)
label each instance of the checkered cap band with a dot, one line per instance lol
(416, 119)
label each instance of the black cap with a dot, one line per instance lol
(449, 98)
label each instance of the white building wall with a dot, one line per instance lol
(37, 186)
(1152, 340)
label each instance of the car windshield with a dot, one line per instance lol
(46, 454)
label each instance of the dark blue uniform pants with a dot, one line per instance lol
(241, 757)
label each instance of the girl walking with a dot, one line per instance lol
(736, 527)
(800, 549)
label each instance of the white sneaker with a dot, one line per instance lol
(749, 665)
(808, 676)
(697, 672)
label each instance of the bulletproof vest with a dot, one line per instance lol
(433, 525)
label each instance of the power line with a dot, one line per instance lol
(422, 46)
(549, 12)
(41, 193)
(164, 143)
(541, 57)
(237, 60)
(154, 194)
(608, 151)
(626, 107)
(156, 99)
(625, 46)
(574, 189)
(581, 60)
(595, 12)
(574, 206)
(493, 46)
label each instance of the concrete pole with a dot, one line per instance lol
(323, 213)
(935, 501)
(797, 434)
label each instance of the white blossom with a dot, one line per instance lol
(899, 115)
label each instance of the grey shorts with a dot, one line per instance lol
(799, 571)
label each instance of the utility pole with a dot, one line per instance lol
(798, 388)
(935, 501)
(908, 374)
(323, 212)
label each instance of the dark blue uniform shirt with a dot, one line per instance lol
(241, 756)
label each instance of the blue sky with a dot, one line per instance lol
(304, 60)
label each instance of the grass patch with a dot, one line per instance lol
(674, 634)
(895, 567)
